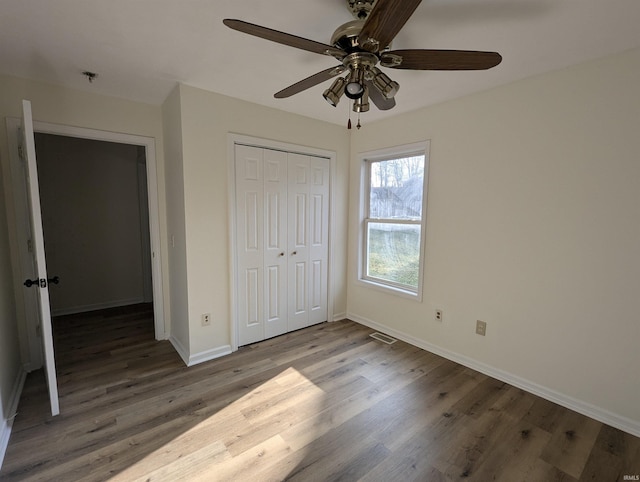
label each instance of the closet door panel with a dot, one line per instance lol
(298, 248)
(250, 243)
(275, 249)
(319, 238)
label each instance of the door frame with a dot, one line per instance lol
(31, 344)
(232, 141)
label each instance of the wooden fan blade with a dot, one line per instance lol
(378, 99)
(440, 59)
(311, 81)
(284, 38)
(384, 22)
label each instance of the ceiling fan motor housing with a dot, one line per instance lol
(359, 62)
(346, 37)
(360, 8)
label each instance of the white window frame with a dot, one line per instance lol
(365, 159)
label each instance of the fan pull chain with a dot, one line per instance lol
(349, 123)
(358, 126)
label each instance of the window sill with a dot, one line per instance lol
(390, 289)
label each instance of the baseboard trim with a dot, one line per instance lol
(7, 422)
(184, 354)
(339, 316)
(207, 355)
(96, 306)
(201, 357)
(602, 415)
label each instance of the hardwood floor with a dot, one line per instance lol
(324, 403)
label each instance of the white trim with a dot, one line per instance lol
(339, 316)
(148, 143)
(231, 204)
(278, 145)
(96, 306)
(602, 415)
(6, 423)
(145, 237)
(208, 355)
(384, 288)
(364, 160)
(201, 357)
(184, 354)
(232, 140)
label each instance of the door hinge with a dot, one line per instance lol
(29, 245)
(21, 152)
(39, 329)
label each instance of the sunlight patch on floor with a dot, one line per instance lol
(238, 440)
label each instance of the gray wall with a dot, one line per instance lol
(94, 223)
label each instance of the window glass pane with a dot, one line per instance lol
(394, 252)
(396, 188)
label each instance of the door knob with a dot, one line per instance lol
(294, 253)
(42, 283)
(281, 254)
(32, 282)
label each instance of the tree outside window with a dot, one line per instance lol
(394, 222)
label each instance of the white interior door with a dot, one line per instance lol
(299, 178)
(275, 243)
(39, 280)
(250, 242)
(282, 239)
(318, 239)
(308, 240)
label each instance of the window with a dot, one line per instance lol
(394, 211)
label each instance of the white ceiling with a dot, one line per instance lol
(141, 48)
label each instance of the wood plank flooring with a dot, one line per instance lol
(324, 403)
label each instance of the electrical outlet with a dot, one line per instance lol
(206, 319)
(481, 327)
(438, 315)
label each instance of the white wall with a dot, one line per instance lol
(92, 221)
(172, 127)
(533, 227)
(60, 105)
(10, 360)
(207, 119)
(532, 220)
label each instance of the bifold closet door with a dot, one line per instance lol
(308, 196)
(261, 207)
(282, 202)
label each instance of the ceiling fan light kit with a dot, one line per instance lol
(332, 94)
(361, 104)
(387, 87)
(354, 88)
(360, 45)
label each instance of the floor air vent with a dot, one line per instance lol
(383, 338)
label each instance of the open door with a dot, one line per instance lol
(39, 279)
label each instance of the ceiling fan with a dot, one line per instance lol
(362, 44)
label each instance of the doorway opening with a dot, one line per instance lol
(150, 297)
(95, 220)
